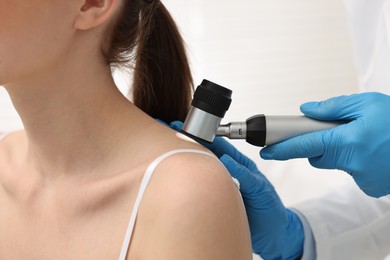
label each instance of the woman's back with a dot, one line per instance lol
(191, 208)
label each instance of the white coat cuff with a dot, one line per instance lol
(309, 245)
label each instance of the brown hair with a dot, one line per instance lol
(146, 35)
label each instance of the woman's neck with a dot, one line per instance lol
(73, 120)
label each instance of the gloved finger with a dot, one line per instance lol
(337, 108)
(320, 163)
(176, 125)
(260, 197)
(339, 149)
(250, 181)
(304, 146)
(220, 147)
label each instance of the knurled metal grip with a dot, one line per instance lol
(212, 98)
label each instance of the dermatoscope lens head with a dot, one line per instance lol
(209, 106)
(212, 98)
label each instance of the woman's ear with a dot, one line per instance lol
(93, 13)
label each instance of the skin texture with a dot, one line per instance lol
(68, 181)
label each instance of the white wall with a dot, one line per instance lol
(274, 55)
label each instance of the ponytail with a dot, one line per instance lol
(147, 35)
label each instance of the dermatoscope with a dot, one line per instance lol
(209, 106)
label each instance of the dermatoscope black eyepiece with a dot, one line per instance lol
(212, 98)
(208, 107)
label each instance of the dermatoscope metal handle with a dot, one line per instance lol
(210, 103)
(262, 130)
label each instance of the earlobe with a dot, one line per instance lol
(93, 13)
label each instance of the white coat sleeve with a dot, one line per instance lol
(369, 23)
(347, 224)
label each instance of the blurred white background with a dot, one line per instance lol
(274, 55)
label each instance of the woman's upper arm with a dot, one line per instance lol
(201, 215)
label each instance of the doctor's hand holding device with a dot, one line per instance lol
(349, 138)
(360, 148)
(346, 133)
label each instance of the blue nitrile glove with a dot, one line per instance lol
(361, 147)
(276, 232)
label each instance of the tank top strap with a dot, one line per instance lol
(144, 183)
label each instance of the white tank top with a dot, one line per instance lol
(145, 181)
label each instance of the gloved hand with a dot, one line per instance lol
(276, 232)
(361, 147)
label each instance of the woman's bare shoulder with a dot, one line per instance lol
(199, 208)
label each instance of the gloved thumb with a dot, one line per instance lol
(304, 146)
(337, 108)
(176, 125)
(250, 181)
